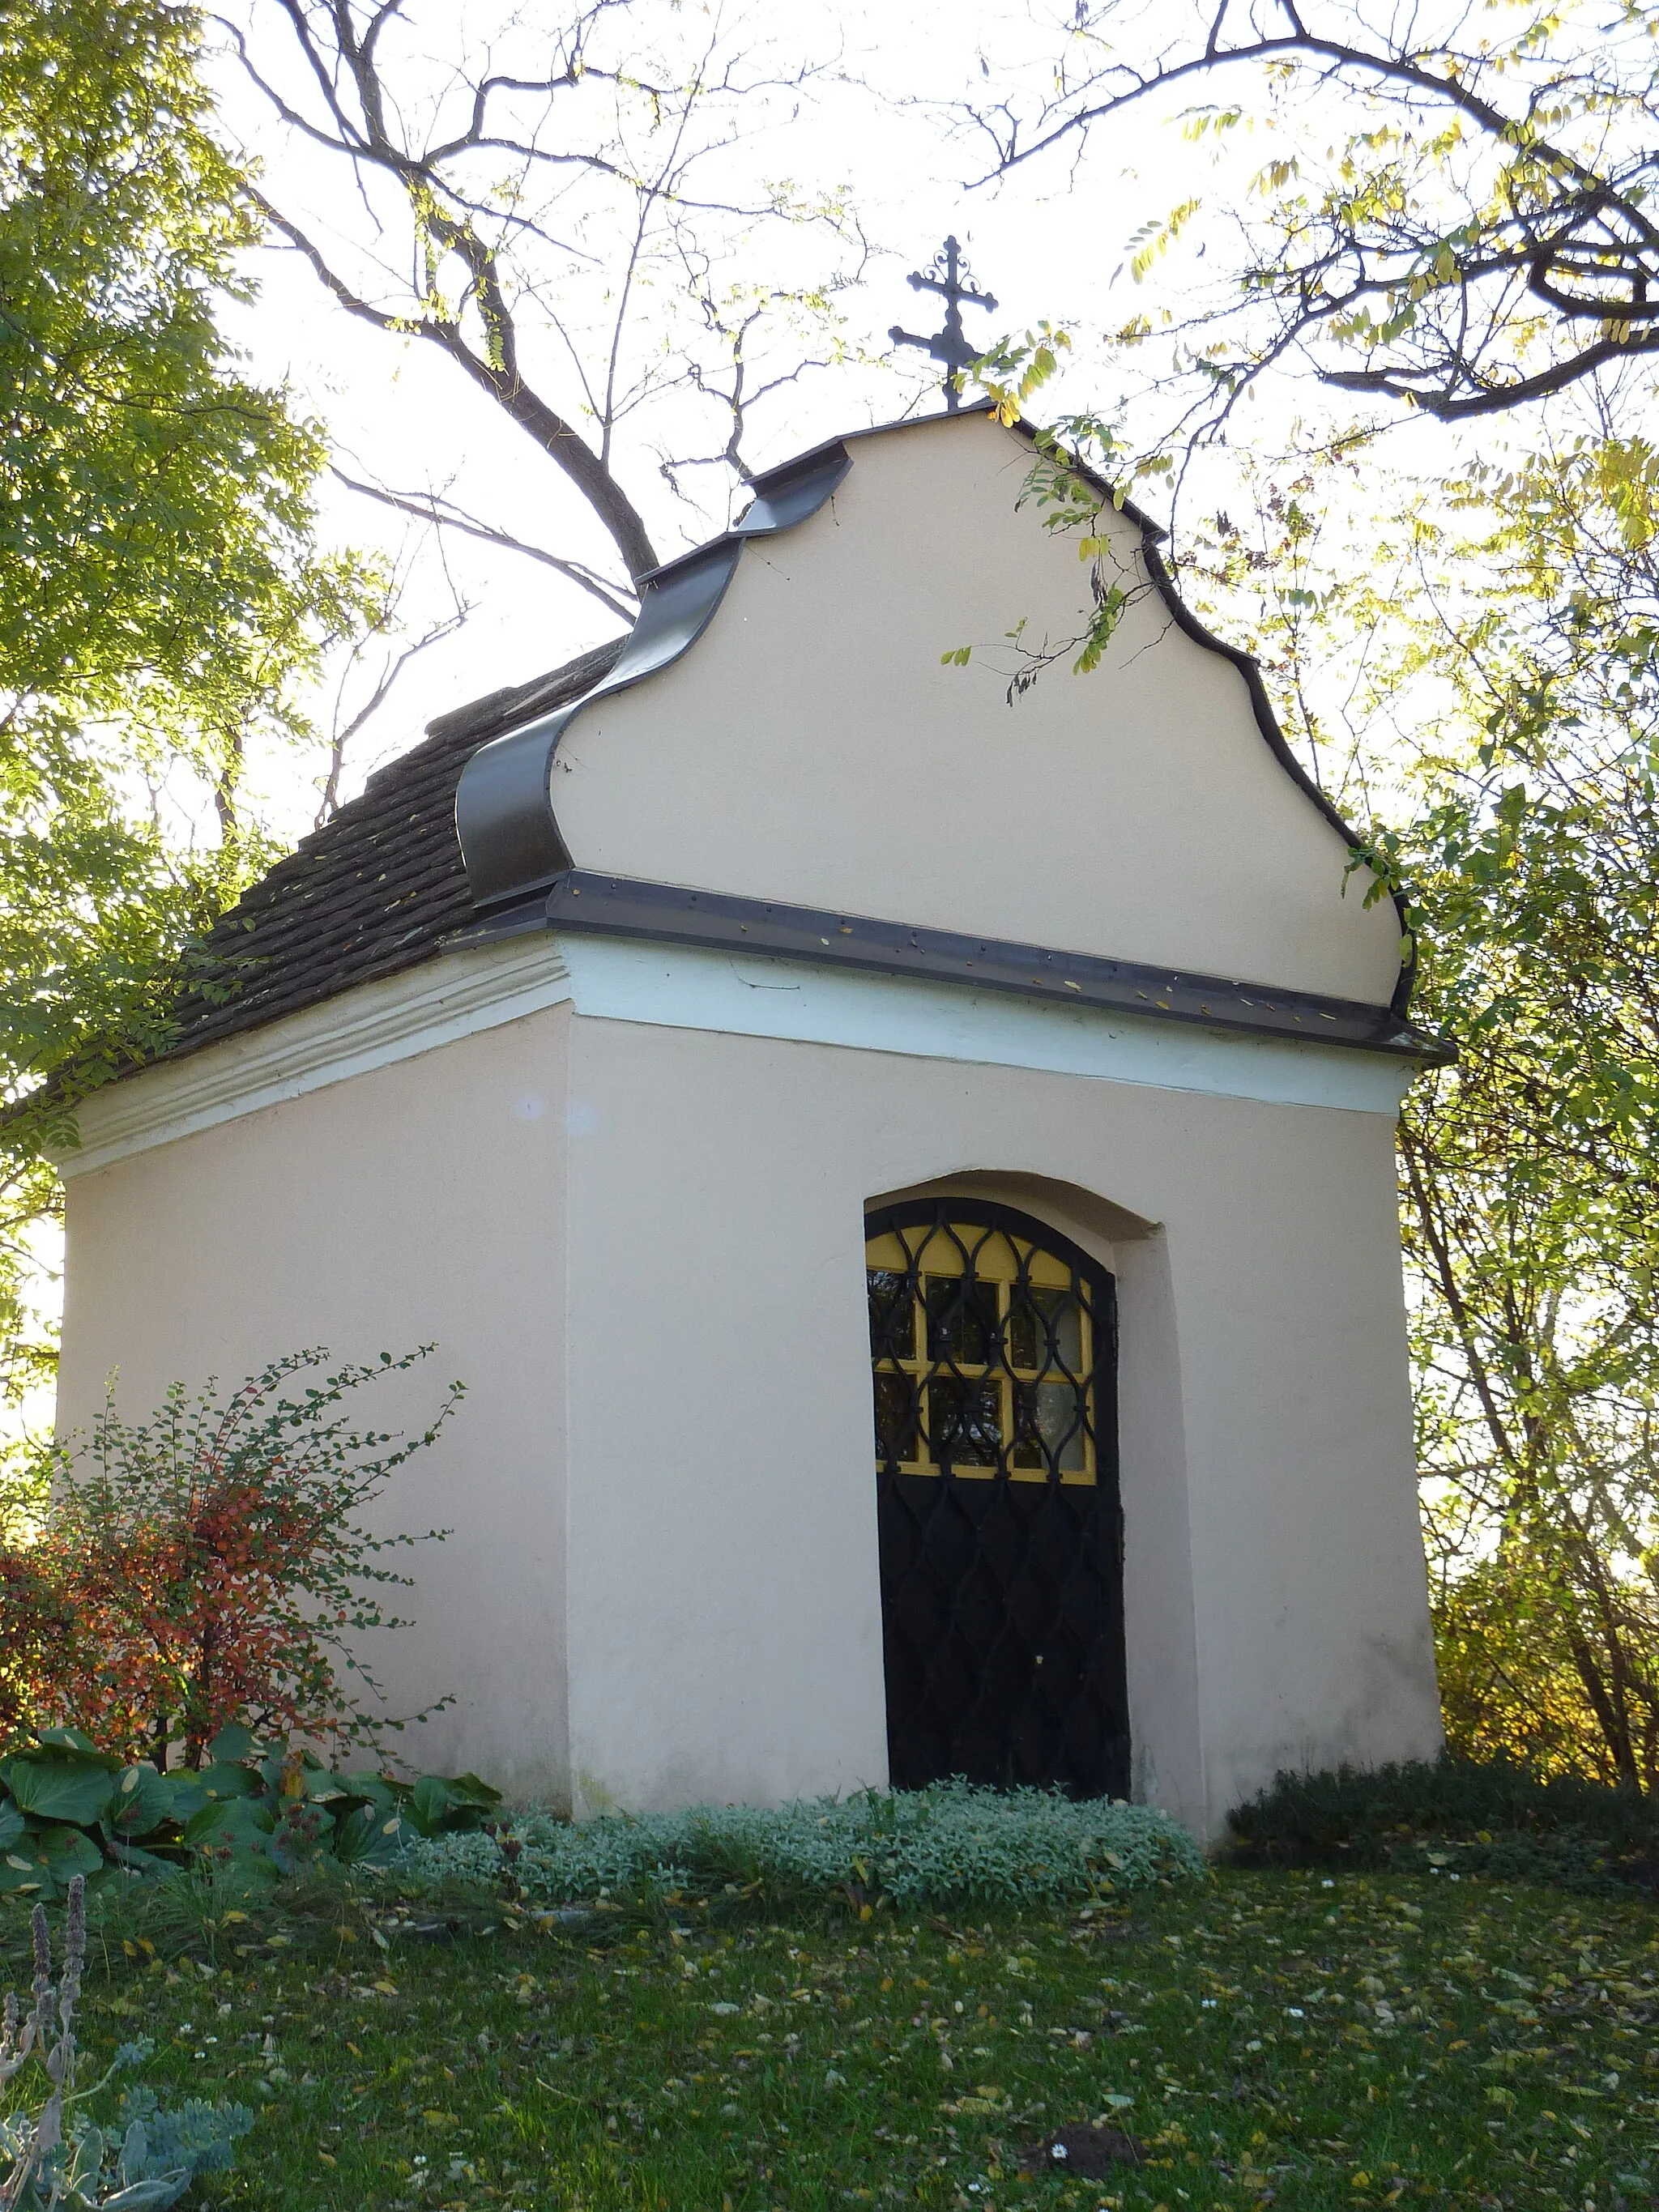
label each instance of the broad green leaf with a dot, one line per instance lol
(74, 1744)
(442, 1801)
(238, 1822)
(233, 1744)
(373, 1835)
(224, 1780)
(62, 1851)
(185, 1792)
(142, 1801)
(137, 1860)
(60, 1789)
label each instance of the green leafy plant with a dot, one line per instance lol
(55, 2160)
(70, 1813)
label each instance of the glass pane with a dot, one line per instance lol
(962, 1319)
(1025, 1338)
(1060, 1411)
(964, 1422)
(1049, 1430)
(1058, 1331)
(892, 1315)
(896, 1439)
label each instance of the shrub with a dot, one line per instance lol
(955, 1844)
(1466, 1815)
(207, 1567)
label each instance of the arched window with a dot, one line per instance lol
(993, 1345)
(984, 1345)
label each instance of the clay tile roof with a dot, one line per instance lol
(374, 891)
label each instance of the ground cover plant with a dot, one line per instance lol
(1283, 2037)
(53, 2157)
(951, 1843)
(1464, 1815)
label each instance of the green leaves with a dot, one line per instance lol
(459, 1802)
(67, 1808)
(164, 595)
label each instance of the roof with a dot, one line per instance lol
(376, 889)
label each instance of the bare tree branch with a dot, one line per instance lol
(430, 506)
(537, 195)
(392, 669)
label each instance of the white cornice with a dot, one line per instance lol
(435, 1004)
(684, 986)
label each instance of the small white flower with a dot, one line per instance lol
(1058, 2150)
(1296, 2012)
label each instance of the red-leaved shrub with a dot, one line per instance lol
(208, 1566)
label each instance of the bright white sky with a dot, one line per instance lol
(1051, 243)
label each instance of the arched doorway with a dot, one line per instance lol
(993, 1344)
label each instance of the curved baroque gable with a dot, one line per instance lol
(781, 727)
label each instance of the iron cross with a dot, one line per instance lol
(948, 277)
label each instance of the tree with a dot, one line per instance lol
(553, 207)
(1479, 682)
(164, 593)
(1481, 235)
(207, 1566)
(1531, 1215)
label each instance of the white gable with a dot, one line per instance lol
(811, 748)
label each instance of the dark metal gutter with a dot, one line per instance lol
(509, 835)
(620, 906)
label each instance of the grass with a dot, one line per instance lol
(1269, 2037)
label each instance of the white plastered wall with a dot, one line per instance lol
(724, 1599)
(810, 747)
(641, 1246)
(421, 1201)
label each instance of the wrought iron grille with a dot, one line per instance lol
(993, 1345)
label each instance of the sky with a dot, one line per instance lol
(876, 128)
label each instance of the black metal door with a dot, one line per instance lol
(993, 1341)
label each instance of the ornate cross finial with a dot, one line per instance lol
(949, 279)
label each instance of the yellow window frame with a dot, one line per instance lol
(1001, 1258)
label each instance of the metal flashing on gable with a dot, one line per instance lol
(619, 906)
(504, 814)
(786, 496)
(504, 818)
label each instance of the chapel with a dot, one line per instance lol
(902, 1160)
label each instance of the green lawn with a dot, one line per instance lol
(1269, 2039)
